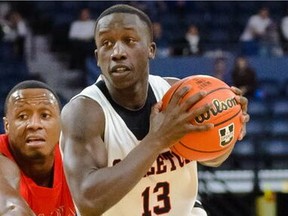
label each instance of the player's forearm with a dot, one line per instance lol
(11, 205)
(105, 187)
(13, 210)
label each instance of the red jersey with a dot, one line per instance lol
(44, 201)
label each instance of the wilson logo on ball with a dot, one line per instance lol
(219, 107)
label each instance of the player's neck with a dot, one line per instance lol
(130, 99)
(40, 171)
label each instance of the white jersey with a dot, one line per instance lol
(169, 187)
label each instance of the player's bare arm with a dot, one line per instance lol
(11, 203)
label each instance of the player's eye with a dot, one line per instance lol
(107, 43)
(45, 115)
(130, 40)
(22, 117)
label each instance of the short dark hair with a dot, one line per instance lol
(124, 8)
(27, 84)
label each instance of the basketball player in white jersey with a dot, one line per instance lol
(115, 138)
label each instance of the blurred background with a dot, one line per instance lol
(244, 43)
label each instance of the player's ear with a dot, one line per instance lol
(6, 125)
(152, 50)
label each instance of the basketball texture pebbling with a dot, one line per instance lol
(225, 114)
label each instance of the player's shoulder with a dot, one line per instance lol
(171, 80)
(81, 107)
(81, 102)
(7, 162)
(79, 117)
(9, 169)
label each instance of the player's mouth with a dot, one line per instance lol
(120, 70)
(35, 141)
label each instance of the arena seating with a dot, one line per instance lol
(261, 155)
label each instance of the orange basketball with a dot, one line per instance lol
(224, 114)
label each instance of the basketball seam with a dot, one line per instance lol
(196, 150)
(228, 118)
(218, 89)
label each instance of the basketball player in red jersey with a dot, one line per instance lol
(32, 180)
(115, 137)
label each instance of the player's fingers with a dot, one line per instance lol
(188, 104)
(240, 98)
(244, 104)
(243, 132)
(236, 90)
(157, 107)
(198, 128)
(201, 111)
(243, 101)
(245, 118)
(178, 95)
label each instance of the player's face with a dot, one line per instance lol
(124, 48)
(32, 123)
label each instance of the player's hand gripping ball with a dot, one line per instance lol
(225, 114)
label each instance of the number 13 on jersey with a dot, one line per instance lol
(163, 205)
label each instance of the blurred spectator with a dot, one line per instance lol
(81, 36)
(270, 44)
(162, 42)
(179, 7)
(189, 43)
(1, 33)
(256, 29)
(141, 5)
(194, 40)
(284, 32)
(162, 8)
(154, 9)
(244, 76)
(5, 7)
(15, 32)
(220, 70)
